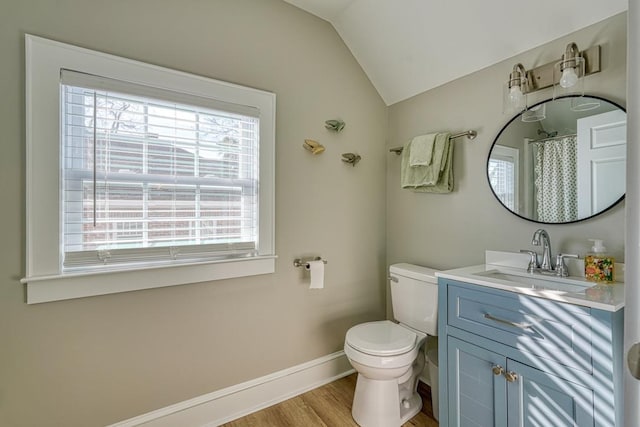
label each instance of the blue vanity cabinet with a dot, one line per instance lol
(508, 359)
(487, 389)
(477, 396)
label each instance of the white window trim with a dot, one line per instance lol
(44, 277)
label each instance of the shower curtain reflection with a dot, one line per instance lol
(556, 179)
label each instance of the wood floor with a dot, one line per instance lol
(328, 406)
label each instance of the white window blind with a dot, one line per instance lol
(154, 175)
(503, 175)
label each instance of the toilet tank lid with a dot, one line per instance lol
(418, 272)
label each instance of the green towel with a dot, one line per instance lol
(421, 150)
(434, 178)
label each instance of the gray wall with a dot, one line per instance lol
(453, 230)
(98, 360)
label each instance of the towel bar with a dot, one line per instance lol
(471, 134)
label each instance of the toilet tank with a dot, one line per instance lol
(414, 297)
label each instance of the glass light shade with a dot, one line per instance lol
(535, 114)
(584, 103)
(515, 95)
(514, 100)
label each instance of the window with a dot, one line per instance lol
(503, 175)
(149, 179)
(154, 169)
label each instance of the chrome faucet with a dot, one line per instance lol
(545, 265)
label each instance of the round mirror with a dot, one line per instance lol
(562, 160)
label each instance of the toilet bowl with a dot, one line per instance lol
(384, 349)
(389, 356)
(388, 359)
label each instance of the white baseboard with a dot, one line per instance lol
(233, 402)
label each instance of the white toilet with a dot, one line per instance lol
(389, 356)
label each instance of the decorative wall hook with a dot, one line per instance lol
(351, 158)
(314, 146)
(335, 125)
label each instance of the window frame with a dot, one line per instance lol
(45, 279)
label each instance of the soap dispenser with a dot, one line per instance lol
(598, 265)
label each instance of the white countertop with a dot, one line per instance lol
(609, 297)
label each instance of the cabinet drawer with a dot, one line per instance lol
(556, 331)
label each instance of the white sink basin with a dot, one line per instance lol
(538, 282)
(507, 271)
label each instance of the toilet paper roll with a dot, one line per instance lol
(316, 268)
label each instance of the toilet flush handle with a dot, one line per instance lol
(393, 279)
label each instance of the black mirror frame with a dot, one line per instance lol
(517, 116)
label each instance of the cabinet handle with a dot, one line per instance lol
(508, 322)
(511, 376)
(498, 370)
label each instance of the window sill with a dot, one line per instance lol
(79, 285)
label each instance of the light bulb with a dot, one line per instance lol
(515, 96)
(569, 77)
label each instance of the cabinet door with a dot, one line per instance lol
(539, 399)
(477, 394)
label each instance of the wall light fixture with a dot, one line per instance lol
(515, 89)
(566, 76)
(569, 74)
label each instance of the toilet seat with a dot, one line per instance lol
(395, 345)
(383, 338)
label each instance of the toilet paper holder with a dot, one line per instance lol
(300, 262)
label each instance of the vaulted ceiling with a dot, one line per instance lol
(409, 46)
